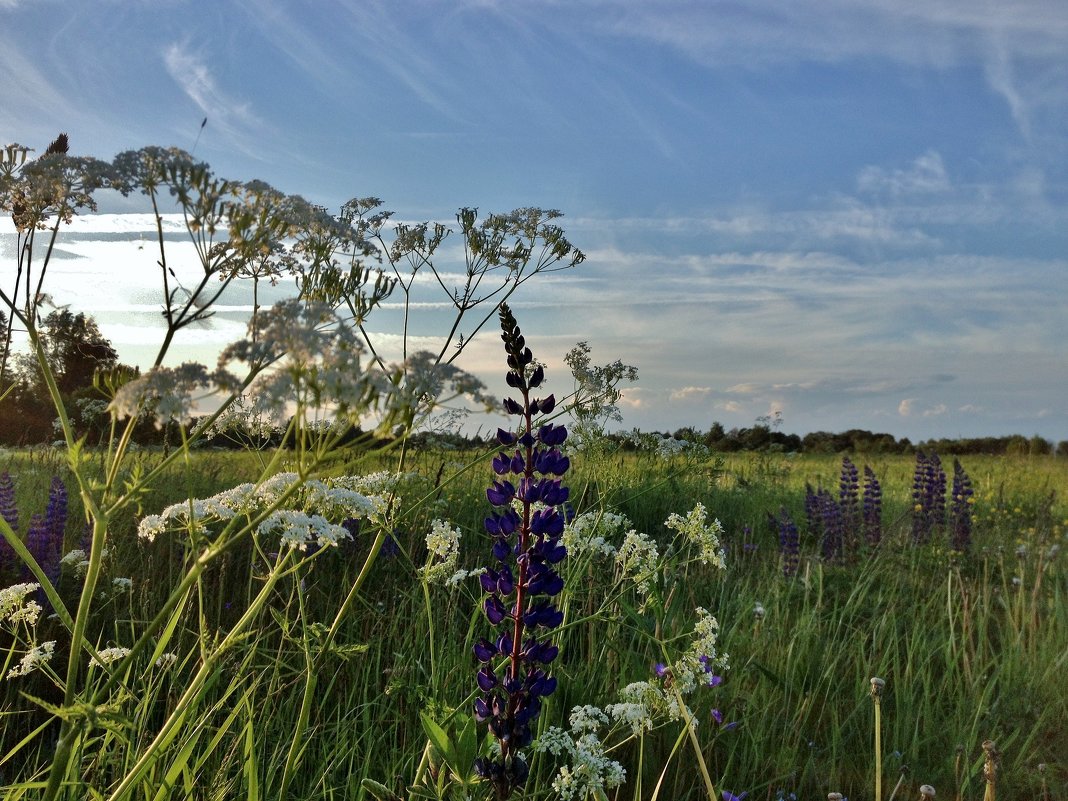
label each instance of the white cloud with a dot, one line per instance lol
(926, 175)
(905, 407)
(690, 393)
(224, 112)
(935, 411)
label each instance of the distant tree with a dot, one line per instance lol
(1062, 448)
(1039, 446)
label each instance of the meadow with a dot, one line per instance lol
(972, 646)
(333, 613)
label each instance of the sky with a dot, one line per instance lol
(852, 212)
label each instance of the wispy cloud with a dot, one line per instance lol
(233, 117)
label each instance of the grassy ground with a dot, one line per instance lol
(972, 647)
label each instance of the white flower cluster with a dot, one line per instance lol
(701, 533)
(170, 391)
(592, 532)
(33, 659)
(384, 489)
(669, 447)
(639, 702)
(589, 770)
(77, 560)
(701, 658)
(15, 609)
(639, 560)
(314, 356)
(443, 546)
(313, 506)
(107, 656)
(296, 529)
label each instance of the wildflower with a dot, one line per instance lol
(77, 561)
(928, 494)
(121, 585)
(872, 508)
(759, 611)
(527, 530)
(960, 513)
(8, 510)
(701, 533)
(33, 659)
(15, 608)
(729, 796)
(443, 542)
(639, 560)
(166, 660)
(591, 532)
(109, 655)
(789, 543)
(589, 770)
(849, 503)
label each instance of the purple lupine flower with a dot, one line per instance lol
(873, 508)
(8, 510)
(56, 513)
(789, 544)
(929, 497)
(833, 542)
(43, 547)
(812, 512)
(960, 513)
(729, 796)
(526, 530)
(849, 503)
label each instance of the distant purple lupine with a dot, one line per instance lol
(960, 511)
(849, 505)
(10, 512)
(44, 537)
(872, 509)
(833, 527)
(789, 543)
(928, 497)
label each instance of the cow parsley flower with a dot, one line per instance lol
(588, 770)
(593, 533)
(695, 528)
(36, 657)
(443, 547)
(15, 608)
(639, 560)
(109, 655)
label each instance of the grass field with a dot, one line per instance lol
(303, 689)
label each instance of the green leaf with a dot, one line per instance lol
(439, 739)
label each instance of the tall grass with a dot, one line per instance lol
(971, 648)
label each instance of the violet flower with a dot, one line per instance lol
(873, 508)
(928, 496)
(789, 543)
(526, 532)
(960, 511)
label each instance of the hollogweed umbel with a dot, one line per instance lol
(526, 530)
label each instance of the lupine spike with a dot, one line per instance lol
(510, 684)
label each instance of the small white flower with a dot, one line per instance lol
(442, 544)
(166, 660)
(587, 719)
(121, 585)
(108, 655)
(14, 608)
(639, 560)
(701, 533)
(33, 659)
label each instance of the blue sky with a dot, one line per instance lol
(852, 212)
